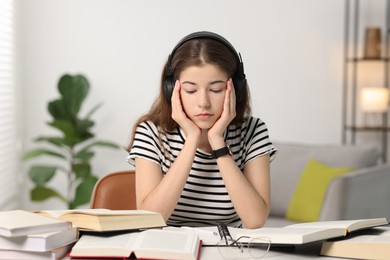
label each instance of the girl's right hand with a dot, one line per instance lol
(178, 114)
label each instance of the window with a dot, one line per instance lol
(8, 130)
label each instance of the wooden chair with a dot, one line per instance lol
(115, 191)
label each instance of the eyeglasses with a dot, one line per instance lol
(244, 247)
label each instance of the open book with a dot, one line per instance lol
(367, 244)
(311, 231)
(293, 234)
(149, 244)
(107, 220)
(21, 223)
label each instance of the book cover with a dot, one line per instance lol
(21, 223)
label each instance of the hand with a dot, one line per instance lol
(178, 114)
(228, 114)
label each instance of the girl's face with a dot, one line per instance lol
(202, 94)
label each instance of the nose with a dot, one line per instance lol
(204, 100)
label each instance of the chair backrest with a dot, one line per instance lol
(115, 191)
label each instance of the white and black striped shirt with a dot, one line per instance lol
(204, 200)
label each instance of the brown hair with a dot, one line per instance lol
(196, 52)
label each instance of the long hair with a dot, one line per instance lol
(195, 52)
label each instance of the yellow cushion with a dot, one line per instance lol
(306, 202)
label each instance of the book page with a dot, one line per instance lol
(97, 241)
(164, 244)
(349, 225)
(95, 212)
(209, 235)
(101, 245)
(164, 239)
(60, 212)
(292, 235)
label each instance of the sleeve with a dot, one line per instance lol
(258, 141)
(146, 144)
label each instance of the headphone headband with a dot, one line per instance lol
(211, 36)
(239, 79)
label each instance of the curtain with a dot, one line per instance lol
(8, 128)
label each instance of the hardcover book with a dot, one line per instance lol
(39, 242)
(149, 244)
(57, 253)
(21, 223)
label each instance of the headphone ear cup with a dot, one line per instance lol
(240, 87)
(168, 88)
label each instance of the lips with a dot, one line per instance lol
(204, 115)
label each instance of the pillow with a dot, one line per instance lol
(292, 158)
(306, 202)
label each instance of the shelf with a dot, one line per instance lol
(354, 59)
(383, 59)
(369, 128)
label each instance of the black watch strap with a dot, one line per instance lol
(221, 152)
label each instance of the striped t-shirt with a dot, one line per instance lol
(204, 200)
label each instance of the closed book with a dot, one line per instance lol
(21, 223)
(372, 244)
(57, 253)
(40, 242)
(149, 244)
(107, 220)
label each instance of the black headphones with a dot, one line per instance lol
(239, 79)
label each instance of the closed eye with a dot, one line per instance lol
(190, 91)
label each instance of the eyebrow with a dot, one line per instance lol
(211, 83)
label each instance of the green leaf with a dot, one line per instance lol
(74, 89)
(82, 170)
(84, 155)
(57, 109)
(107, 144)
(43, 193)
(65, 126)
(83, 126)
(57, 141)
(84, 192)
(41, 151)
(40, 174)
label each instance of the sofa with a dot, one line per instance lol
(360, 187)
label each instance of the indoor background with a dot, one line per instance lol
(292, 53)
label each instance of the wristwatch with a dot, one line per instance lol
(221, 152)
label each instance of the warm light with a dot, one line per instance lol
(374, 99)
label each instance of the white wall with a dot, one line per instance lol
(292, 52)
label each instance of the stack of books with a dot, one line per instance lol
(51, 234)
(26, 235)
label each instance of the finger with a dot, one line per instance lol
(175, 92)
(226, 101)
(232, 96)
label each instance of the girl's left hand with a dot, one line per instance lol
(228, 113)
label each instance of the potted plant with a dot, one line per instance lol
(73, 148)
